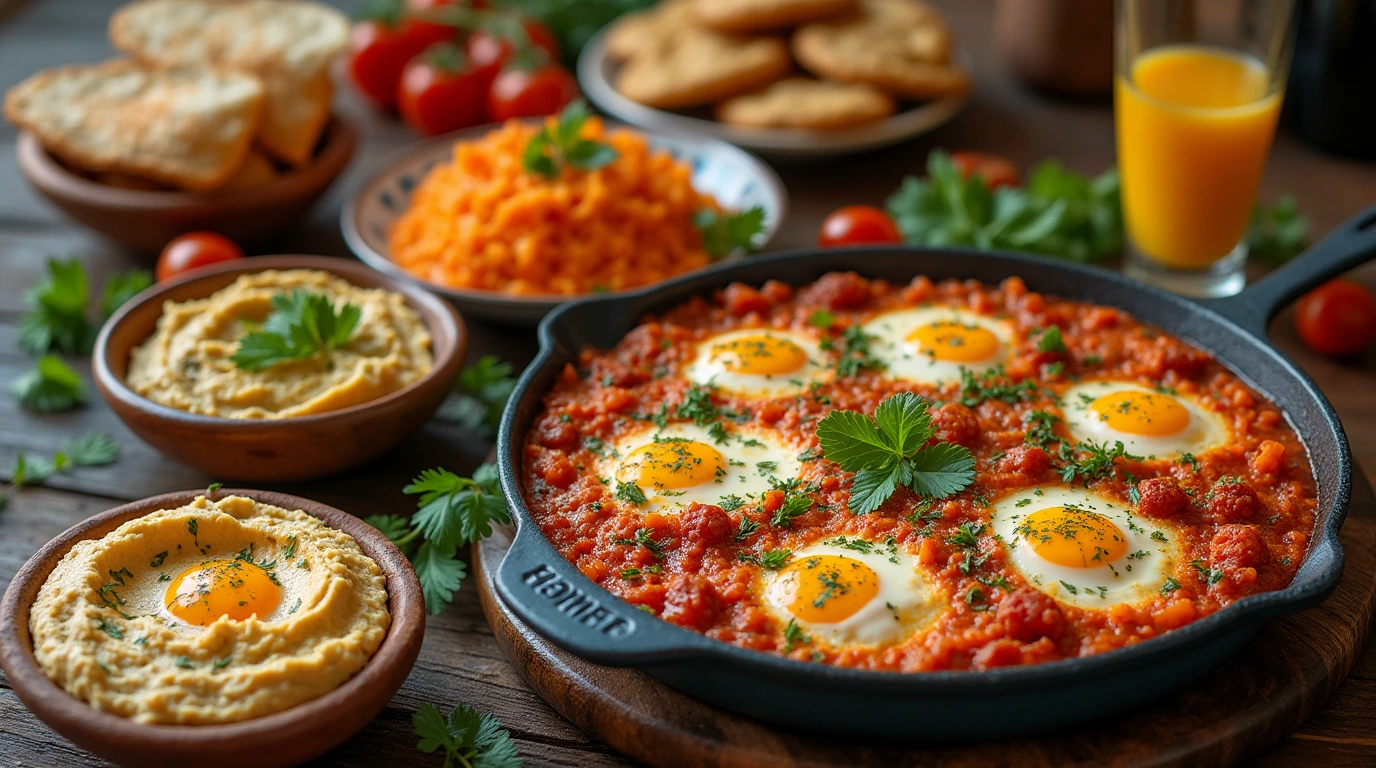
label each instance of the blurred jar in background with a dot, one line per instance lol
(1331, 98)
(1063, 47)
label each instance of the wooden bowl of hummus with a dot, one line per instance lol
(247, 628)
(166, 364)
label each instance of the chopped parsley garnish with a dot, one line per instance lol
(967, 534)
(730, 502)
(1188, 458)
(697, 405)
(890, 449)
(855, 355)
(793, 635)
(792, 507)
(1209, 575)
(745, 529)
(994, 384)
(1158, 536)
(629, 493)
(1051, 341)
(1170, 586)
(184, 662)
(301, 325)
(771, 560)
(158, 559)
(1041, 428)
(1096, 462)
(644, 537)
(821, 319)
(221, 663)
(110, 628)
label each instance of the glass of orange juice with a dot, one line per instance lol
(1198, 90)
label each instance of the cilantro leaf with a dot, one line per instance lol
(892, 450)
(30, 471)
(301, 325)
(56, 320)
(441, 574)
(457, 510)
(481, 393)
(50, 387)
(550, 151)
(1051, 341)
(396, 528)
(91, 450)
(725, 233)
(467, 737)
(120, 287)
(1278, 233)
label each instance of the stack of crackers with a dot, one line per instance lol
(216, 95)
(742, 57)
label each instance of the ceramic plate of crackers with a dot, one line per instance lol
(789, 79)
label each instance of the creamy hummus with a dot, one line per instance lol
(214, 612)
(186, 363)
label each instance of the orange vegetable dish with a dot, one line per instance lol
(483, 222)
(1124, 483)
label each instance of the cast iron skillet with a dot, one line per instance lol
(551, 595)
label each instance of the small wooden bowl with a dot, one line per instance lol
(146, 220)
(276, 450)
(285, 738)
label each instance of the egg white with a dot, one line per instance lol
(905, 602)
(707, 368)
(756, 459)
(890, 331)
(1133, 578)
(1205, 429)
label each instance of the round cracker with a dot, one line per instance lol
(799, 102)
(697, 66)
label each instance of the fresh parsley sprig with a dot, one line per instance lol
(551, 150)
(480, 395)
(57, 319)
(90, 450)
(468, 738)
(1277, 233)
(724, 233)
(301, 325)
(51, 386)
(891, 449)
(452, 511)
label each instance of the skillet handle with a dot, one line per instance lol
(559, 602)
(1352, 244)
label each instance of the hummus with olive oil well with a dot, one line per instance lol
(214, 612)
(277, 344)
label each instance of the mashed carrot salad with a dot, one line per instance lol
(565, 208)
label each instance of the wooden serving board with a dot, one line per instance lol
(1248, 704)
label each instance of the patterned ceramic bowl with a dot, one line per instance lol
(735, 178)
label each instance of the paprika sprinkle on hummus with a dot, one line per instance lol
(212, 612)
(277, 344)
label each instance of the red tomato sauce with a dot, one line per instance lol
(1243, 511)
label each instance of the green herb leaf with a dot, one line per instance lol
(1051, 341)
(892, 450)
(457, 510)
(56, 320)
(50, 387)
(395, 527)
(91, 450)
(120, 287)
(441, 574)
(301, 325)
(726, 233)
(467, 738)
(550, 151)
(1279, 233)
(480, 395)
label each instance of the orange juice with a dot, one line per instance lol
(1194, 127)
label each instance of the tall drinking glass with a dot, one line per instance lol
(1198, 92)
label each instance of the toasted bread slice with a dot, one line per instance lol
(191, 128)
(257, 171)
(288, 45)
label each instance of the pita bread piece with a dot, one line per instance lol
(288, 45)
(191, 128)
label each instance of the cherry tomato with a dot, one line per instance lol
(1338, 318)
(489, 53)
(195, 249)
(380, 48)
(858, 225)
(438, 94)
(530, 93)
(996, 171)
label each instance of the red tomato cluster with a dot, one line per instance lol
(444, 77)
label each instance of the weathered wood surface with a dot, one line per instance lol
(461, 661)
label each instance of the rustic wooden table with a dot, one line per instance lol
(460, 662)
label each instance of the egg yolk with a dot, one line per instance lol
(1142, 413)
(826, 589)
(203, 593)
(760, 355)
(672, 465)
(955, 342)
(1073, 537)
